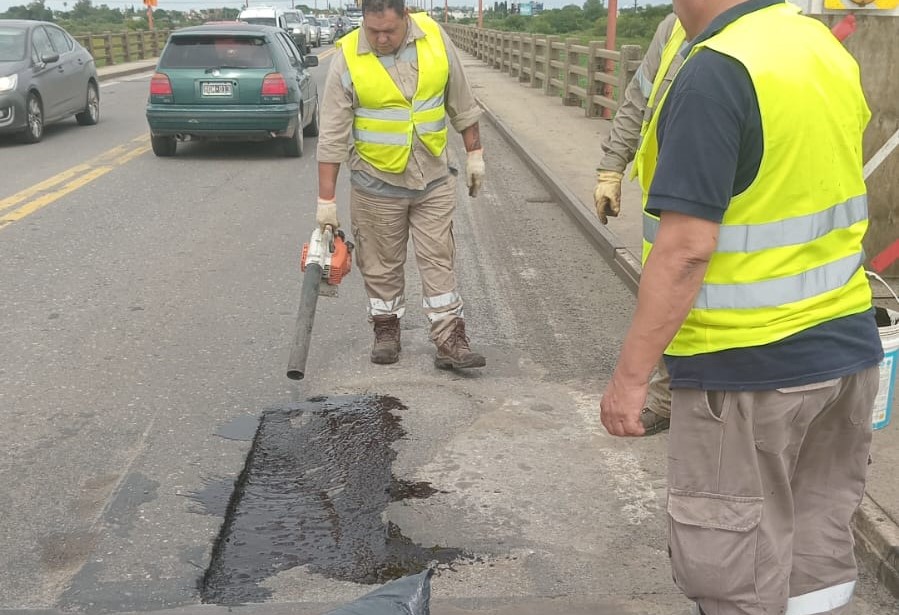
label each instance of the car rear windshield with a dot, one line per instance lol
(261, 21)
(12, 45)
(217, 51)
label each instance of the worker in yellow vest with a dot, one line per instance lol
(391, 93)
(754, 290)
(648, 85)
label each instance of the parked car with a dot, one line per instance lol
(327, 30)
(315, 32)
(237, 82)
(45, 77)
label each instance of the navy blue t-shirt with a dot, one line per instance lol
(710, 149)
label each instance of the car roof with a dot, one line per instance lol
(227, 28)
(25, 22)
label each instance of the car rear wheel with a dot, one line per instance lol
(293, 146)
(34, 112)
(91, 114)
(312, 129)
(163, 146)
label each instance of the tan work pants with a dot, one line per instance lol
(762, 486)
(381, 228)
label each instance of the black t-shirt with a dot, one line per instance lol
(710, 150)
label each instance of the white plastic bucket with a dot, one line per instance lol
(889, 338)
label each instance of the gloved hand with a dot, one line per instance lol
(326, 213)
(474, 171)
(607, 194)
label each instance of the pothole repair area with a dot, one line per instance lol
(313, 492)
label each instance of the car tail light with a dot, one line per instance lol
(274, 85)
(160, 85)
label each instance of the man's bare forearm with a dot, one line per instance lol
(471, 137)
(671, 279)
(327, 179)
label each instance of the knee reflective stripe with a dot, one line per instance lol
(822, 600)
(379, 307)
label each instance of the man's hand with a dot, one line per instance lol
(621, 406)
(326, 214)
(474, 171)
(607, 194)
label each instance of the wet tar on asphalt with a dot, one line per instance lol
(316, 482)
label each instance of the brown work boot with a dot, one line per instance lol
(455, 352)
(386, 348)
(653, 423)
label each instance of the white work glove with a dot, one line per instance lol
(326, 213)
(474, 171)
(607, 194)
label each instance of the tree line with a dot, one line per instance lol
(635, 25)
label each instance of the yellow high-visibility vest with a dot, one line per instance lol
(789, 253)
(385, 120)
(675, 41)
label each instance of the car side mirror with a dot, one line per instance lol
(49, 58)
(310, 61)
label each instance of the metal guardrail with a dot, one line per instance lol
(117, 48)
(578, 73)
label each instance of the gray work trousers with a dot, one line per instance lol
(381, 229)
(762, 486)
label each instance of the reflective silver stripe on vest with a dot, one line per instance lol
(430, 103)
(382, 138)
(394, 114)
(789, 232)
(645, 84)
(780, 291)
(821, 601)
(430, 126)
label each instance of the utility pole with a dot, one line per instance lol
(445, 11)
(480, 14)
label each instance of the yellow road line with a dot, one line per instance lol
(29, 192)
(42, 194)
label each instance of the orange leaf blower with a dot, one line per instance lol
(327, 257)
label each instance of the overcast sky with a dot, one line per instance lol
(186, 5)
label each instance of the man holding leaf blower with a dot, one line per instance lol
(390, 94)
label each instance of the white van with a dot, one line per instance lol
(290, 20)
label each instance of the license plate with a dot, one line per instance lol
(217, 88)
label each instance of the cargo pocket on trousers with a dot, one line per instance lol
(713, 541)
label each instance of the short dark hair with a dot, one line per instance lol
(379, 6)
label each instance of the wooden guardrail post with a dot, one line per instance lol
(142, 45)
(532, 61)
(571, 57)
(550, 89)
(107, 49)
(627, 67)
(591, 109)
(126, 46)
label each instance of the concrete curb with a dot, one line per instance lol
(117, 71)
(876, 534)
(877, 543)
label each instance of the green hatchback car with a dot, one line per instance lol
(234, 82)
